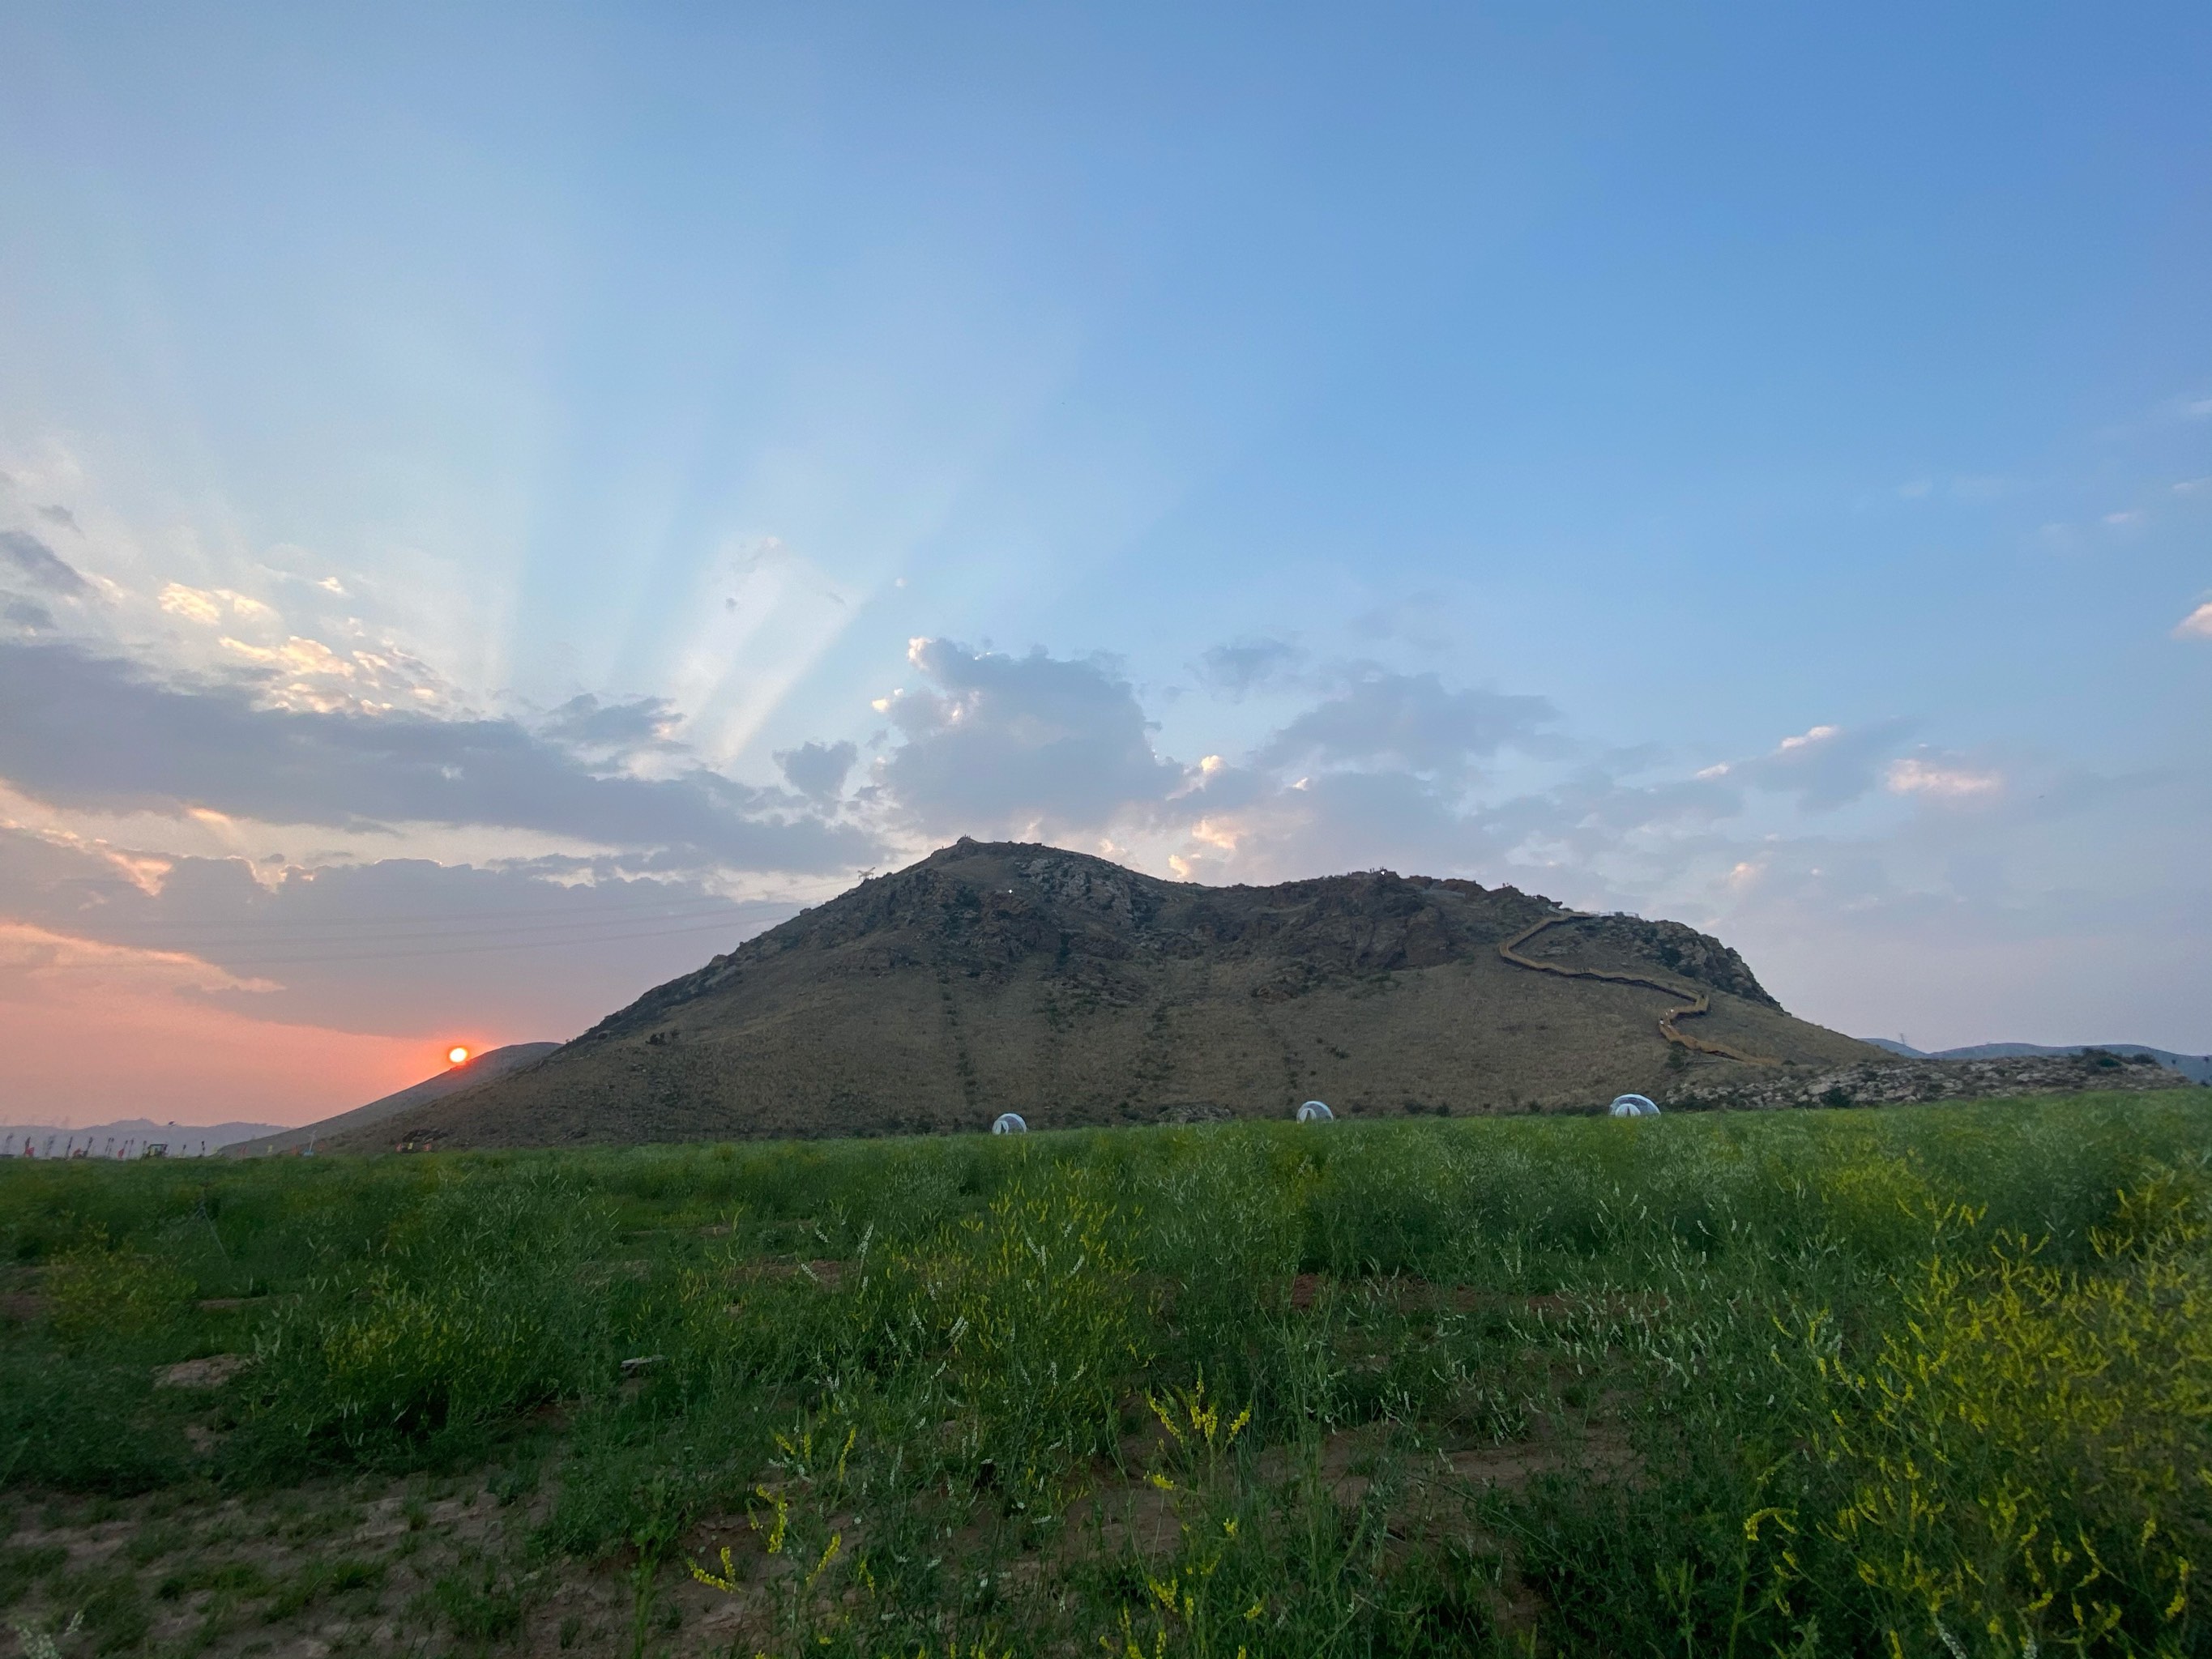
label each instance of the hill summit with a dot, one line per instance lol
(1006, 976)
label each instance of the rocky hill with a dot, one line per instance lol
(477, 1068)
(1011, 977)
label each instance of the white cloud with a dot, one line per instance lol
(209, 606)
(2197, 625)
(1917, 777)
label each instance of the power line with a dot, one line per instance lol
(704, 900)
(248, 964)
(247, 933)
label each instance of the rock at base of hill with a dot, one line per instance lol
(1903, 1082)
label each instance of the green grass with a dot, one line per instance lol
(1935, 1381)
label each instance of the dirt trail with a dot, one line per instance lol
(1702, 1001)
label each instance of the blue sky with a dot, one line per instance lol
(1738, 464)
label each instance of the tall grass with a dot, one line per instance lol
(1930, 1381)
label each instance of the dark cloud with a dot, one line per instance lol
(1412, 722)
(817, 770)
(93, 731)
(40, 565)
(60, 515)
(25, 614)
(397, 947)
(1011, 742)
(1249, 664)
(614, 728)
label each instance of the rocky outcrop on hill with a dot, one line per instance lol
(1895, 1082)
(1013, 977)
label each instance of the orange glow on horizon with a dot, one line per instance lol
(456, 1055)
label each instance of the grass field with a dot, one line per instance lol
(1934, 1381)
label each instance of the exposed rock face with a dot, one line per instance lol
(1011, 977)
(1893, 1082)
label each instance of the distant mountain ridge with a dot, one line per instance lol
(2197, 1068)
(477, 1068)
(182, 1140)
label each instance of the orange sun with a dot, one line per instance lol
(457, 1053)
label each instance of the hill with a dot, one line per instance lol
(477, 1068)
(1012, 977)
(2197, 1068)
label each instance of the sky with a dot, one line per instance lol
(499, 504)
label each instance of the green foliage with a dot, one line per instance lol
(1033, 1307)
(2024, 1455)
(19, 1568)
(485, 1605)
(466, 1312)
(112, 1606)
(102, 1296)
(1932, 1381)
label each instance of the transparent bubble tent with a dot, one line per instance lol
(1634, 1106)
(1010, 1123)
(1315, 1111)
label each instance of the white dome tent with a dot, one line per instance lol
(1634, 1106)
(1010, 1123)
(1315, 1111)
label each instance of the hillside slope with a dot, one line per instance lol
(492, 1064)
(1006, 976)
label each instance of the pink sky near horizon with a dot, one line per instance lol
(91, 1051)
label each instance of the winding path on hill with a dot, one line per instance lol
(1702, 1002)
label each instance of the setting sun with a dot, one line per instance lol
(457, 1054)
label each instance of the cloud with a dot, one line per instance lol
(1410, 721)
(1825, 766)
(1038, 742)
(96, 733)
(210, 605)
(1411, 619)
(1249, 664)
(644, 725)
(2197, 625)
(26, 614)
(1937, 781)
(392, 947)
(817, 770)
(42, 566)
(62, 516)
